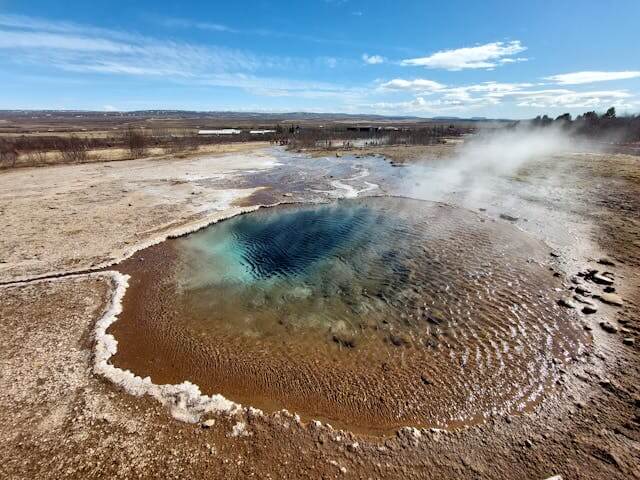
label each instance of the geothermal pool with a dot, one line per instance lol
(370, 314)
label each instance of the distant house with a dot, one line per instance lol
(362, 128)
(261, 132)
(222, 131)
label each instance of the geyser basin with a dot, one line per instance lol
(370, 314)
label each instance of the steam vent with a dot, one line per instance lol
(369, 314)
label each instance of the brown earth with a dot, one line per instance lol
(57, 420)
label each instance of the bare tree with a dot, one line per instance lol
(73, 149)
(37, 157)
(136, 141)
(8, 157)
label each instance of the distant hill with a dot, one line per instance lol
(234, 116)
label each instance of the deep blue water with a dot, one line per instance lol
(292, 241)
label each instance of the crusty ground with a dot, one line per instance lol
(398, 154)
(57, 420)
(75, 217)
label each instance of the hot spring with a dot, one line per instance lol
(370, 314)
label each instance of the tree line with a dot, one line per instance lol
(607, 126)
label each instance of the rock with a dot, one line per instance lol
(528, 443)
(606, 261)
(601, 279)
(609, 299)
(589, 309)
(504, 216)
(208, 423)
(609, 289)
(341, 334)
(629, 341)
(555, 255)
(398, 339)
(287, 194)
(566, 302)
(338, 154)
(435, 319)
(608, 327)
(581, 299)
(425, 379)
(585, 292)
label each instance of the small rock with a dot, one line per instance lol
(608, 327)
(528, 443)
(589, 309)
(585, 292)
(504, 216)
(425, 379)
(628, 341)
(342, 335)
(287, 194)
(208, 423)
(606, 261)
(398, 339)
(610, 299)
(609, 289)
(566, 302)
(580, 299)
(555, 255)
(601, 279)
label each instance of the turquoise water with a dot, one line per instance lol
(321, 264)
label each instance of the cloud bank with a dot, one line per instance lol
(577, 78)
(485, 56)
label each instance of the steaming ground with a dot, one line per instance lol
(58, 420)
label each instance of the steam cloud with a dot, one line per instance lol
(480, 166)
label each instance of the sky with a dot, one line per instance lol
(464, 58)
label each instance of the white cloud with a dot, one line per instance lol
(461, 99)
(372, 59)
(416, 85)
(560, 98)
(577, 78)
(421, 105)
(84, 49)
(486, 56)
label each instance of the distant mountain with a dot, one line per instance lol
(233, 115)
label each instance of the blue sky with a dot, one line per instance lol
(504, 59)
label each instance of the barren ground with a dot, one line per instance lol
(58, 420)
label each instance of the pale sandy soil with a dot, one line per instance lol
(75, 217)
(58, 420)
